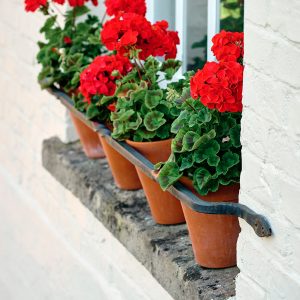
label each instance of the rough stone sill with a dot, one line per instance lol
(164, 250)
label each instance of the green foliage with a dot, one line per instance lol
(143, 112)
(63, 62)
(232, 15)
(206, 148)
(93, 111)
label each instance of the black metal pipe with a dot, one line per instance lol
(258, 222)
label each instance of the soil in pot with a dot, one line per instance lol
(123, 171)
(213, 237)
(89, 139)
(165, 208)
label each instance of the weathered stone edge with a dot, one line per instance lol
(164, 250)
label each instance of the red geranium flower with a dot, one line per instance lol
(74, 3)
(97, 78)
(114, 7)
(164, 42)
(131, 31)
(61, 2)
(67, 40)
(219, 86)
(228, 46)
(112, 107)
(33, 5)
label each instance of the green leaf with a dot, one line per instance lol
(179, 122)
(153, 98)
(134, 125)
(235, 134)
(153, 120)
(122, 115)
(176, 145)
(138, 95)
(92, 111)
(189, 141)
(75, 79)
(208, 151)
(228, 160)
(168, 175)
(144, 134)
(187, 162)
(163, 132)
(48, 24)
(192, 140)
(204, 182)
(170, 67)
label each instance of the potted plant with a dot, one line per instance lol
(98, 82)
(206, 150)
(67, 49)
(143, 115)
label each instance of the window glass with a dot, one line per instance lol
(196, 33)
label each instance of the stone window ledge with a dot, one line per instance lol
(164, 250)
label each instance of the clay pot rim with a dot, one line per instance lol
(188, 183)
(145, 143)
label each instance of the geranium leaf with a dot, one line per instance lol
(189, 140)
(92, 111)
(153, 98)
(163, 132)
(228, 160)
(177, 146)
(204, 182)
(187, 162)
(234, 134)
(153, 120)
(168, 175)
(135, 124)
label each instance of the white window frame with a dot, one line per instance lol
(155, 7)
(213, 24)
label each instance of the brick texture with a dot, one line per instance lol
(271, 158)
(51, 246)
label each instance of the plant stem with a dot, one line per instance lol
(103, 18)
(53, 15)
(73, 18)
(137, 67)
(58, 10)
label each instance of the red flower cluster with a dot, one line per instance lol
(33, 5)
(74, 3)
(219, 85)
(131, 31)
(228, 46)
(114, 7)
(67, 40)
(97, 78)
(163, 41)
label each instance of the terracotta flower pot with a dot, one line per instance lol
(124, 172)
(165, 208)
(89, 139)
(213, 237)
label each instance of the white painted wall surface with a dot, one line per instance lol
(51, 247)
(270, 183)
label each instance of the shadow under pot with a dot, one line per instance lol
(123, 171)
(165, 208)
(214, 237)
(89, 139)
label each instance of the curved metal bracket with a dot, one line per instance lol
(258, 222)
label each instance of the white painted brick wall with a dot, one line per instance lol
(51, 247)
(270, 182)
